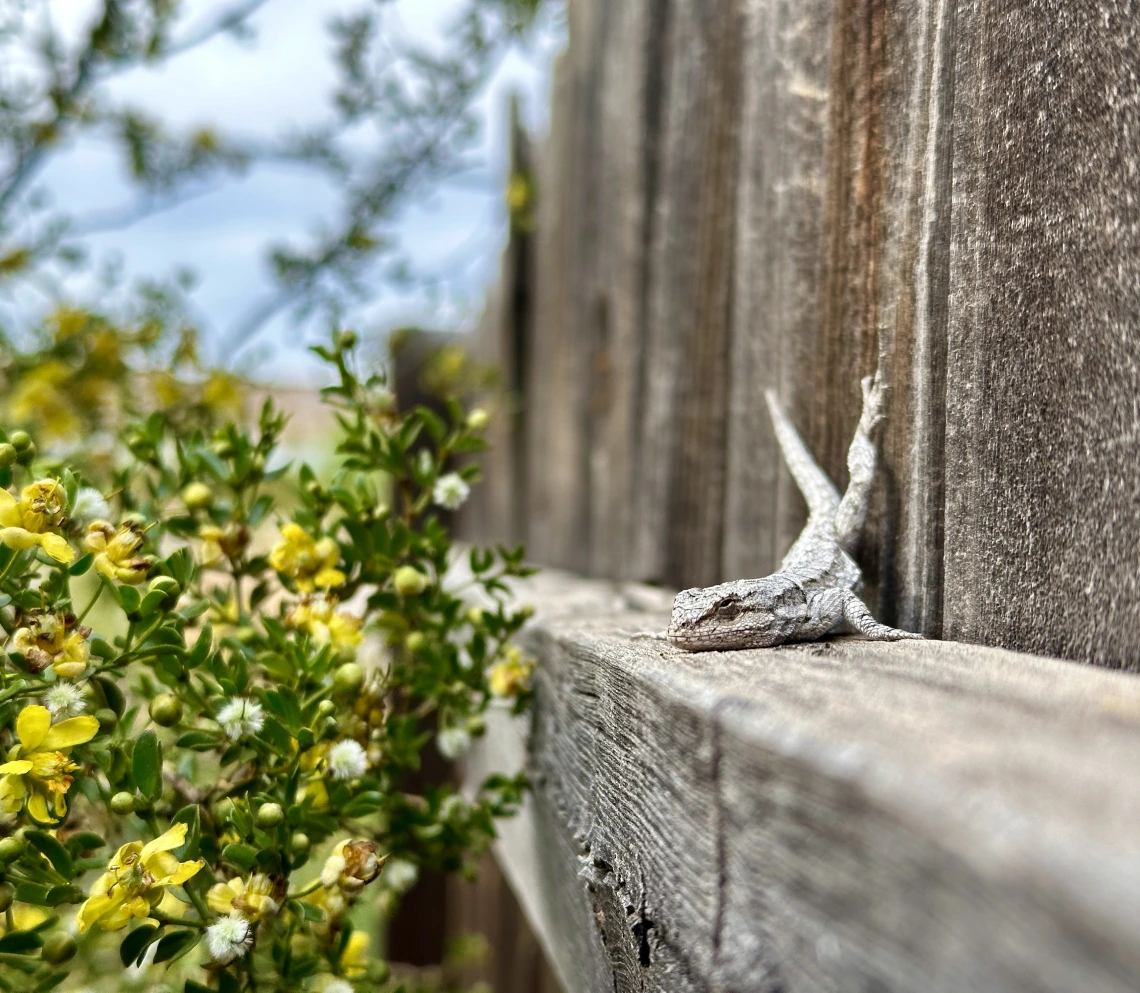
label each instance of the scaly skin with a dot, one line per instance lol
(814, 591)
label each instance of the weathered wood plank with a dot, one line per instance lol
(1043, 396)
(839, 816)
(779, 262)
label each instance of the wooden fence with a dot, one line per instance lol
(743, 194)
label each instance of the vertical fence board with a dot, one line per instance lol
(779, 256)
(1043, 395)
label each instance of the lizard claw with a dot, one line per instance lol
(874, 401)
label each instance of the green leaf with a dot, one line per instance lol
(227, 983)
(135, 944)
(84, 841)
(101, 649)
(64, 894)
(201, 647)
(112, 695)
(128, 598)
(306, 911)
(192, 818)
(32, 893)
(175, 945)
(19, 942)
(364, 803)
(198, 741)
(55, 853)
(81, 565)
(240, 854)
(150, 603)
(147, 765)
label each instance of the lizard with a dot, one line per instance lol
(815, 588)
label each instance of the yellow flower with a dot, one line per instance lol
(318, 616)
(41, 396)
(27, 522)
(24, 918)
(308, 562)
(135, 881)
(38, 768)
(116, 552)
(510, 677)
(354, 958)
(256, 899)
(56, 640)
(230, 542)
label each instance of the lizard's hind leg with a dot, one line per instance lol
(856, 614)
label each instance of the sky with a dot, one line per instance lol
(282, 80)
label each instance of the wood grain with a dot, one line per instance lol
(1043, 395)
(840, 816)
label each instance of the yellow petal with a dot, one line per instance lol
(18, 538)
(38, 809)
(57, 547)
(187, 870)
(220, 898)
(9, 510)
(71, 732)
(164, 843)
(17, 768)
(12, 793)
(94, 909)
(32, 726)
(329, 577)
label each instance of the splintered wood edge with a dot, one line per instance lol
(921, 815)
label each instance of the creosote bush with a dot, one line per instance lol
(202, 766)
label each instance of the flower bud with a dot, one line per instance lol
(107, 718)
(28, 455)
(166, 710)
(415, 642)
(270, 815)
(346, 340)
(348, 679)
(11, 849)
(222, 449)
(170, 588)
(58, 948)
(20, 440)
(476, 727)
(7, 895)
(409, 581)
(475, 616)
(325, 708)
(123, 803)
(197, 496)
(299, 844)
(8, 455)
(477, 419)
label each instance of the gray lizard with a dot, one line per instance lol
(814, 591)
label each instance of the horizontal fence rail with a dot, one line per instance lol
(916, 816)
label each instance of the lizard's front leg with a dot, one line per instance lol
(829, 608)
(861, 457)
(856, 614)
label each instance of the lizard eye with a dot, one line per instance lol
(727, 607)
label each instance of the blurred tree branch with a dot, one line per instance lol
(411, 108)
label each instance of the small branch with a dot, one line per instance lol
(226, 20)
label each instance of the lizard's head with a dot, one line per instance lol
(750, 613)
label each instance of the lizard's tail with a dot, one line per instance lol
(819, 492)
